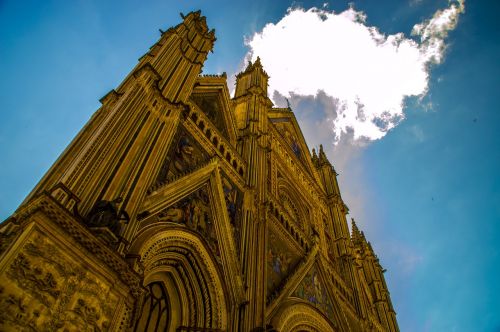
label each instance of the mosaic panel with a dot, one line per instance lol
(194, 212)
(312, 289)
(280, 262)
(234, 200)
(184, 156)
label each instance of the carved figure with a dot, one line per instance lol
(106, 214)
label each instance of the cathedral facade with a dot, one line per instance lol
(180, 208)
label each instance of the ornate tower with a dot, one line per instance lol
(179, 208)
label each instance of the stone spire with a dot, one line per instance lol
(253, 77)
(314, 158)
(356, 235)
(178, 56)
(322, 156)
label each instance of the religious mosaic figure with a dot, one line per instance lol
(232, 196)
(279, 262)
(311, 289)
(193, 212)
(183, 157)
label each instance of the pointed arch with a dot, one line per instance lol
(296, 315)
(181, 262)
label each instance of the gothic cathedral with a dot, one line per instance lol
(179, 208)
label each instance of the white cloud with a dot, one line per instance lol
(366, 72)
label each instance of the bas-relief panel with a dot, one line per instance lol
(209, 104)
(185, 155)
(312, 289)
(234, 200)
(280, 261)
(194, 212)
(43, 290)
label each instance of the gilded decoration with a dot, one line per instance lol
(280, 262)
(194, 212)
(42, 290)
(312, 289)
(183, 157)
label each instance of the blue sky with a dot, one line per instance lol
(427, 193)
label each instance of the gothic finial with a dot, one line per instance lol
(356, 234)
(322, 156)
(354, 226)
(314, 158)
(249, 66)
(257, 62)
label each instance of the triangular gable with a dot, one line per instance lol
(285, 123)
(211, 95)
(312, 289)
(197, 201)
(185, 154)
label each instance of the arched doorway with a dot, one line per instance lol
(298, 316)
(183, 283)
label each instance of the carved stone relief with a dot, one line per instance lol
(42, 290)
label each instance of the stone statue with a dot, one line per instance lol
(106, 214)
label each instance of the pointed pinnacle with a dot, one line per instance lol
(257, 62)
(355, 230)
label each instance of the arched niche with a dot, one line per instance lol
(296, 315)
(179, 261)
(294, 204)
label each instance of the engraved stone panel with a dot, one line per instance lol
(43, 289)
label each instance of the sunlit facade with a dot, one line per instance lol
(179, 208)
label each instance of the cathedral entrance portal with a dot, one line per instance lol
(184, 290)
